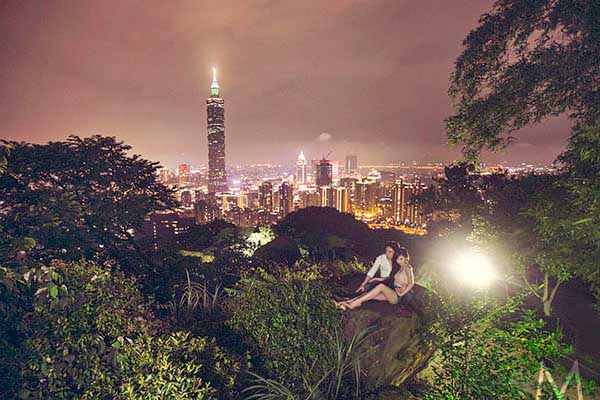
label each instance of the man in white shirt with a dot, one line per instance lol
(383, 264)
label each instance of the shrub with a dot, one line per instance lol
(178, 367)
(289, 320)
(91, 336)
(80, 311)
(488, 349)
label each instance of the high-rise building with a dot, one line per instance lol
(206, 210)
(215, 109)
(324, 173)
(301, 169)
(286, 199)
(327, 196)
(365, 196)
(184, 174)
(309, 199)
(399, 202)
(405, 211)
(265, 196)
(351, 164)
(341, 200)
(388, 177)
(186, 198)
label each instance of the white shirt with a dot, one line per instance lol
(381, 264)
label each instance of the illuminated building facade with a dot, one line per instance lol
(215, 109)
(327, 196)
(184, 174)
(301, 169)
(342, 203)
(286, 199)
(265, 196)
(365, 197)
(351, 166)
(324, 173)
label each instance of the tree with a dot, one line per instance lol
(513, 219)
(487, 349)
(82, 197)
(326, 233)
(455, 199)
(526, 60)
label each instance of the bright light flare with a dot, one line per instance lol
(474, 269)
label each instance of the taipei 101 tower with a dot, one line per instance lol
(215, 110)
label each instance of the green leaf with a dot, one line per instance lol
(583, 221)
(54, 292)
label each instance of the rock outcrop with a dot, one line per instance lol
(397, 350)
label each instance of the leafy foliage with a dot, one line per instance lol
(523, 222)
(487, 349)
(78, 197)
(326, 233)
(88, 334)
(177, 366)
(580, 222)
(341, 381)
(288, 320)
(525, 61)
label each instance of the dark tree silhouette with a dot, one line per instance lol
(526, 60)
(326, 233)
(82, 197)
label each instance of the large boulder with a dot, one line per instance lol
(397, 348)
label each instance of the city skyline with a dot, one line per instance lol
(299, 77)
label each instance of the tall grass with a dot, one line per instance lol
(344, 373)
(195, 298)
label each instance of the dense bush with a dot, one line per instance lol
(326, 233)
(289, 320)
(488, 349)
(89, 335)
(178, 367)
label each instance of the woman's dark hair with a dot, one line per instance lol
(401, 251)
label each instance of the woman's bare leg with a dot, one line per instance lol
(380, 292)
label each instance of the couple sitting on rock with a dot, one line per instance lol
(395, 289)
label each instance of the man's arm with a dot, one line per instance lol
(369, 276)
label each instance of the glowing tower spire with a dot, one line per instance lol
(215, 110)
(214, 87)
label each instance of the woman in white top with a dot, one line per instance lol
(383, 265)
(403, 283)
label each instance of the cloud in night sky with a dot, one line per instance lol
(324, 137)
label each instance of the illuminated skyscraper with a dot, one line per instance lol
(215, 110)
(351, 164)
(265, 196)
(184, 174)
(324, 175)
(286, 199)
(399, 202)
(341, 200)
(301, 169)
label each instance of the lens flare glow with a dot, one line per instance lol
(474, 269)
